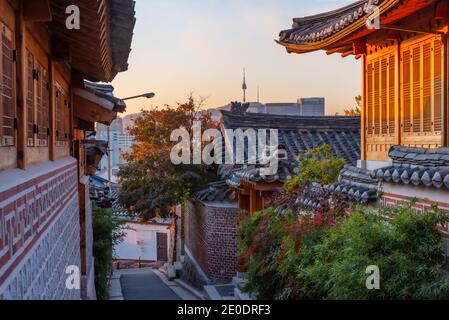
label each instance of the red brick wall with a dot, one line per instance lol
(391, 200)
(421, 206)
(211, 236)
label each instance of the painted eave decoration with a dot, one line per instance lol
(342, 27)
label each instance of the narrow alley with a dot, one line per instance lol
(145, 285)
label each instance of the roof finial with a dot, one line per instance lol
(244, 86)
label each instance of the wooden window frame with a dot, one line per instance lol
(425, 95)
(37, 102)
(62, 116)
(381, 97)
(7, 140)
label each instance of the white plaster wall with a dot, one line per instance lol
(420, 192)
(373, 165)
(141, 242)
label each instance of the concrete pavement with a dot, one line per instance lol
(145, 284)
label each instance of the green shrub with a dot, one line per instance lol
(318, 165)
(316, 257)
(108, 232)
(407, 249)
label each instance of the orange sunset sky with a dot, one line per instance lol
(202, 46)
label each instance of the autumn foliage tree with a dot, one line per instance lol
(357, 110)
(151, 183)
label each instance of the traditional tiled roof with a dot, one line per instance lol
(344, 25)
(321, 26)
(298, 135)
(216, 192)
(417, 166)
(105, 91)
(286, 170)
(356, 184)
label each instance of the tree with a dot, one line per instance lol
(151, 183)
(357, 110)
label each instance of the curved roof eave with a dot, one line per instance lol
(347, 33)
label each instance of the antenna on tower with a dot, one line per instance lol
(258, 94)
(244, 86)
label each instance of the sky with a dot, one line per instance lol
(201, 47)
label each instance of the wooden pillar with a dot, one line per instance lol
(21, 88)
(52, 111)
(253, 201)
(398, 101)
(259, 201)
(445, 138)
(363, 111)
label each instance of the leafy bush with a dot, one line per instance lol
(407, 249)
(108, 232)
(270, 245)
(319, 165)
(323, 257)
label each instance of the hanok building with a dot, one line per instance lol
(297, 136)
(403, 48)
(46, 111)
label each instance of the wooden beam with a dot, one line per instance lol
(359, 47)
(339, 49)
(393, 35)
(442, 11)
(60, 50)
(37, 10)
(347, 53)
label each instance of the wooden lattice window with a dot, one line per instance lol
(377, 97)
(422, 83)
(42, 106)
(438, 85)
(416, 58)
(7, 104)
(392, 95)
(37, 103)
(381, 95)
(62, 115)
(30, 98)
(369, 98)
(427, 88)
(406, 83)
(384, 95)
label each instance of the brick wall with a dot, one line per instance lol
(422, 206)
(39, 232)
(211, 236)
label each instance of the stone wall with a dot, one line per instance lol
(211, 237)
(39, 231)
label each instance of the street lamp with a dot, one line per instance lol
(148, 95)
(145, 95)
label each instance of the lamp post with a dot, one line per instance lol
(149, 95)
(145, 95)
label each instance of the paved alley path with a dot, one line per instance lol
(145, 286)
